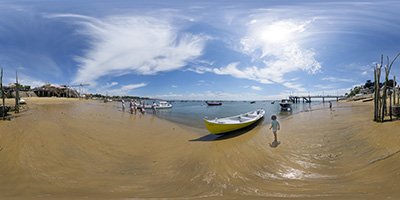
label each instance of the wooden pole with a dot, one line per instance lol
(375, 94)
(2, 96)
(390, 107)
(394, 90)
(379, 100)
(16, 93)
(387, 71)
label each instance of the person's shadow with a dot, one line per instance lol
(274, 144)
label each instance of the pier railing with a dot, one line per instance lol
(308, 99)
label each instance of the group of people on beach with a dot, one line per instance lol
(133, 105)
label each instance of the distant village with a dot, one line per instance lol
(48, 90)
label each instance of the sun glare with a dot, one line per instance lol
(280, 32)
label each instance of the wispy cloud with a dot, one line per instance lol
(125, 89)
(335, 79)
(133, 45)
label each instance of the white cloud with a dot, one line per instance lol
(256, 88)
(252, 73)
(200, 69)
(364, 73)
(174, 86)
(297, 87)
(124, 90)
(334, 79)
(24, 79)
(140, 45)
(277, 45)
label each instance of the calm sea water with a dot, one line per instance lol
(192, 113)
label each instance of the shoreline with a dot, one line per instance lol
(69, 149)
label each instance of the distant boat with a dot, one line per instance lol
(252, 102)
(22, 101)
(213, 104)
(272, 102)
(286, 104)
(223, 125)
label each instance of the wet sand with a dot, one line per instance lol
(69, 149)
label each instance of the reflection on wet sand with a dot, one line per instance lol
(70, 149)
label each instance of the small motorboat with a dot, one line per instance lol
(160, 105)
(163, 105)
(223, 125)
(272, 102)
(252, 102)
(286, 104)
(213, 104)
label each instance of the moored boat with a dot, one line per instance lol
(213, 104)
(228, 124)
(286, 104)
(160, 105)
(22, 101)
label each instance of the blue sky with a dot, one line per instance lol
(196, 50)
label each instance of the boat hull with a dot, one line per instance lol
(217, 129)
(157, 107)
(221, 126)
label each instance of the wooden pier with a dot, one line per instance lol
(308, 99)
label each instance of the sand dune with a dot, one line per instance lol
(71, 149)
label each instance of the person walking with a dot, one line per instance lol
(275, 126)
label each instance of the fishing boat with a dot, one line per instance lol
(223, 125)
(286, 104)
(213, 104)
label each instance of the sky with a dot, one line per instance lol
(199, 50)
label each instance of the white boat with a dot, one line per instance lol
(22, 101)
(286, 104)
(228, 124)
(160, 105)
(163, 105)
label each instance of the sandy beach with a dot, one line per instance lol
(59, 148)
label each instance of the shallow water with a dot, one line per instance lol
(92, 150)
(191, 113)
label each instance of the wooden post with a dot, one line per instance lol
(387, 71)
(394, 89)
(2, 96)
(16, 93)
(390, 107)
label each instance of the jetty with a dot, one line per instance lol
(308, 99)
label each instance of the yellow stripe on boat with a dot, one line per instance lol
(227, 124)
